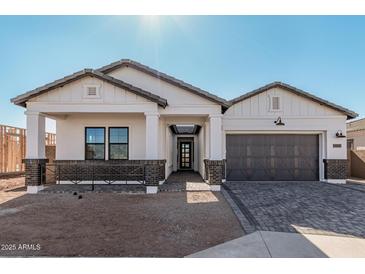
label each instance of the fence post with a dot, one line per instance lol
(92, 177)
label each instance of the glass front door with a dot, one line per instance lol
(185, 155)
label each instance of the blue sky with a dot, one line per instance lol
(226, 55)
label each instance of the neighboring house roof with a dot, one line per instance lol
(350, 114)
(22, 99)
(167, 78)
(356, 125)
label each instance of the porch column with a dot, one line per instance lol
(35, 156)
(214, 166)
(152, 132)
(152, 144)
(215, 132)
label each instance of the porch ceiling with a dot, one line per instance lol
(185, 129)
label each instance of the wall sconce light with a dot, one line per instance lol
(278, 122)
(339, 134)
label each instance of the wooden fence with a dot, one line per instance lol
(12, 148)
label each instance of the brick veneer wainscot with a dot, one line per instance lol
(150, 171)
(214, 171)
(335, 169)
(35, 171)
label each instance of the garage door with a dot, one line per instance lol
(272, 157)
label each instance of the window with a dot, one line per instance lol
(94, 143)
(118, 143)
(275, 103)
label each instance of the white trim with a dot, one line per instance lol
(90, 107)
(152, 114)
(215, 187)
(310, 132)
(34, 189)
(86, 91)
(322, 153)
(336, 181)
(270, 117)
(215, 116)
(29, 112)
(151, 189)
(65, 182)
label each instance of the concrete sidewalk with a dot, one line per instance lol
(265, 244)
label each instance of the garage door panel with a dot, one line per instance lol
(272, 157)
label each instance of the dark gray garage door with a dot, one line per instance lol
(272, 157)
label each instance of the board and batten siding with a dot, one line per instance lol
(300, 115)
(71, 132)
(291, 105)
(180, 101)
(75, 93)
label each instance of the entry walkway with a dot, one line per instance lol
(184, 181)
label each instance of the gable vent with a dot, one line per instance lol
(91, 91)
(275, 103)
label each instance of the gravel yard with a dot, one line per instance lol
(111, 224)
(11, 183)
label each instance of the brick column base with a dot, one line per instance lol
(154, 172)
(335, 170)
(214, 171)
(35, 174)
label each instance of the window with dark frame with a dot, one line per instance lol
(94, 143)
(118, 143)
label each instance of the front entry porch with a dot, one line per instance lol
(184, 180)
(110, 149)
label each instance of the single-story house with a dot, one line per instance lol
(356, 148)
(356, 134)
(131, 122)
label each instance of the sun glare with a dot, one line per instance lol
(151, 20)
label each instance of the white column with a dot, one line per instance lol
(152, 134)
(206, 140)
(215, 132)
(36, 135)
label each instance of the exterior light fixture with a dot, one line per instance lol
(278, 122)
(339, 134)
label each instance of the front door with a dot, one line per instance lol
(185, 155)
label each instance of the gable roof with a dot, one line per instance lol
(350, 114)
(23, 98)
(167, 78)
(356, 125)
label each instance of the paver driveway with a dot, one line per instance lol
(305, 207)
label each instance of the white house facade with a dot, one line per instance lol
(137, 124)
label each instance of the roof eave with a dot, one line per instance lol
(23, 98)
(350, 114)
(160, 75)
